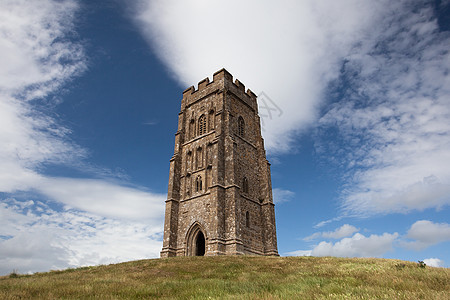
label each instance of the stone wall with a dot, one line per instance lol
(212, 156)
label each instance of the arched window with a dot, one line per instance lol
(198, 184)
(202, 125)
(245, 185)
(247, 219)
(241, 126)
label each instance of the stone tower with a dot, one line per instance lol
(220, 193)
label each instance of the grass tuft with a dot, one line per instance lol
(14, 274)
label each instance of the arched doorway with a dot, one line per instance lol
(200, 244)
(196, 240)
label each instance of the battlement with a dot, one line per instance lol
(220, 76)
(223, 73)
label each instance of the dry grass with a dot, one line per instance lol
(237, 278)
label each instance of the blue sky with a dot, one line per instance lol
(358, 138)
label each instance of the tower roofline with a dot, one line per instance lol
(222, 73)
(220, 76)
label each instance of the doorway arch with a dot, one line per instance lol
(200, 244)
(196, 241)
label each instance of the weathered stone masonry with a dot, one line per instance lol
(219, 200)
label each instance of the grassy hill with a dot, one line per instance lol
(242, 277)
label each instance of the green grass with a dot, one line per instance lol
(237, 277)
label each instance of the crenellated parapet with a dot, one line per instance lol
(222, 81)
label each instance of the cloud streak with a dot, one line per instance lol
(108, 199)
(343, 231)
(282, 195)
(392, 117)
(36, 60)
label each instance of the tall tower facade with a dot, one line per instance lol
(219, 200)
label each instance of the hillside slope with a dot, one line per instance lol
(241, 277)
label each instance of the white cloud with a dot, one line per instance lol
(392, 120)
(41, 238)
(299, 253)
(30, 252)
(36, 59)
(385, 61)
(385, 64)
(343, 231)
(36, 56)
(434, 262)
(423, 234)
(426, 233)
(323, 223)
(288, 49)
(101, 221)
(105, 198)
(281, 195)
(357, 246)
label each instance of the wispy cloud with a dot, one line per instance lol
(343, 231)
(150, 123)
(36, 55)
(392, 119)
(282, 195)
(77, 221)
(36, 60)
(325, 222)
(108, 199)
(299, 253)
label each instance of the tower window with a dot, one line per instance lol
(202, 125)
(198, 184)
(241, 126)
(245, 185)
(247, 219)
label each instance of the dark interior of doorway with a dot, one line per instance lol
(200, 244)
